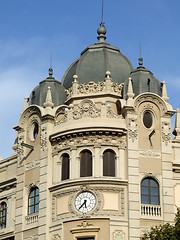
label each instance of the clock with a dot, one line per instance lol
(85, 202)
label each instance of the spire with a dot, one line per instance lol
(25, 103)
(140, 58)
(48, 102)
(130, 93)
(164, 92)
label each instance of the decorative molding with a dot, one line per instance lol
(94, 88)
(20, 149)
(96, 190)
(91, 87)
(34, 237)
(166, 132)
(43, 138)
(111, 114)
(151, 98)
(118, 235)
(32, 165)
(132, 134)
(56, 237)
(84, 224)
(150, 154)
(86, 108)
(27, 113)
(90, 138)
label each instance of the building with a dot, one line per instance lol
(94, 157)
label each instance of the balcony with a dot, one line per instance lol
(151, 210)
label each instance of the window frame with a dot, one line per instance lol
(110, 171)
(32, 201)
(86, 163)
(149, 189)
(3, 217)
(65, 168)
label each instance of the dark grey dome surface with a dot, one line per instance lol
(38, 95)
(93, 63)
(143, 81)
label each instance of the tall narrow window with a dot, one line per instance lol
(33, 201)
(85, 163)
(65, 166)
(109, 157)
(3, 215)
(149, 191)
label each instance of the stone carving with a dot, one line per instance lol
(152, 98)
(91, 138)
(111, 114)
(56, 237)
(94, 88)
(34, 237)
(91, 87)
(27, 113)
(166, 132)
(20, 148)
(132, 134)
(84, 224)
(86, 109)
(150, 154)
(32, 165)
(118, 235)
(43, 138)
(117, 88)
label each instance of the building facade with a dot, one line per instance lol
(94, 157)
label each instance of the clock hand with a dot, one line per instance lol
(84, 203)
(150, 135)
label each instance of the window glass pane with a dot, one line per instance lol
(154, 200)
(154, 191)
(154, 183)
(85, 163)
(37, 208)
(145, 182)
(37, 200)
(144, 199)
(144, 190)
(109, 163)
(147, 119)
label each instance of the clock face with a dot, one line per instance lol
(85, 202)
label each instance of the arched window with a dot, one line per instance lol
(3, 215)
(33, 201)
(149, 191)
(109, 157)
(65, 166)
(85, 163)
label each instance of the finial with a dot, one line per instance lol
(130, 93)
(25, 103)
(140, 58)
(108, 73)
(164, 92)
(48, 102)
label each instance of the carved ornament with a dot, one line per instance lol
(118, 235)
(166, 132)
(150, 154)
(56, 237)
(43, 138)
(32, 165)
(86, 109)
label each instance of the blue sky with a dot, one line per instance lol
(31, 29)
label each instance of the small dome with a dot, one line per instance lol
(95, 60)
(143, 81)
(38, 95)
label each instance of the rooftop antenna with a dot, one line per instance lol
(140, 59)
(50, 69)
(101, 30)
(102, 11)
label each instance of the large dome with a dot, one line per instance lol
(95, 60)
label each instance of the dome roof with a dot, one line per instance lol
(38, 95)
(143, 81)
(95, 60)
